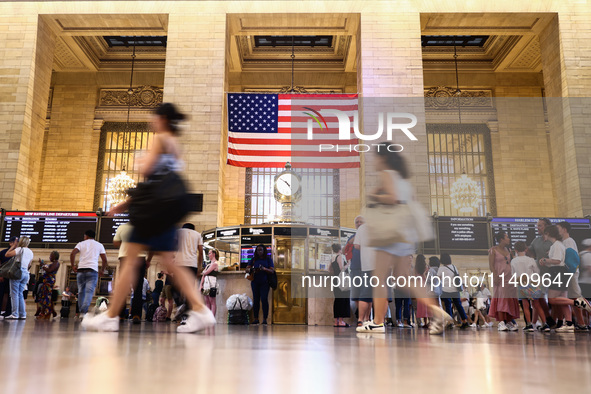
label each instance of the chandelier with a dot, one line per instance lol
(465, 193)
(118, 186)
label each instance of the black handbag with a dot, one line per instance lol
(272, 279)
(12, 268)
(158, 203)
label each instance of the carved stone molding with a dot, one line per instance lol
(142, 97)
(443, 97)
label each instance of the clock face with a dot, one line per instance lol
(288, 184)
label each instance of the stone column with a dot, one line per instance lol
(26, 58)
(193, 80)
(566, 55)
(391, 66)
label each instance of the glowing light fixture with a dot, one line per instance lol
(465, 193)
(118, 186)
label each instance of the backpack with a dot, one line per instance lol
(572, 260)
(160, 314)
(151, 311)
(348, 250)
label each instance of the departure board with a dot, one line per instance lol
(525, 229)
(48, 227)
(463, 235)
(109, 226)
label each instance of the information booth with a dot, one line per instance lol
(296, 250)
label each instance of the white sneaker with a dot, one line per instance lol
(485, 326)
(490, 324)
(439, 321)
(566, 328)
(583, 304)
(370, 326)
(512, 327)
(502, 326)
(474, 325)
(100, 322)
(197, 320)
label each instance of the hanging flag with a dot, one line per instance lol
(268, 130)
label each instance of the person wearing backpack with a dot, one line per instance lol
(572, 261)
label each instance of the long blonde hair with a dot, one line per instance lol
(23, 242)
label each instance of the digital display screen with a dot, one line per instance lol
(109, 226)
(49, 227)
(463, 235)
(525, 229)
(247, 253)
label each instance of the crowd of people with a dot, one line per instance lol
(546, 279)
(541, 283)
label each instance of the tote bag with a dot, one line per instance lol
(12, 268)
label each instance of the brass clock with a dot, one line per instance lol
(287, 186)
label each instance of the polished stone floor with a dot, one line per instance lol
(57, 357)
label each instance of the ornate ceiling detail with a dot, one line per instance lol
(143, 97)
(297, 89)
(529, 58)
(65, 59)
(443, 97)
(251, 57)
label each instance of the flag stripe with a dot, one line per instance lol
(266, 130)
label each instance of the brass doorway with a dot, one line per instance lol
(290, 304)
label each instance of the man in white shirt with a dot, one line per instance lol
(87, 269)
(190, 255)
(190, 248)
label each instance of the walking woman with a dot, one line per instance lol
(261, 265)
(504, 306)
(341, 308)
(393, 189)
(17, 286)
(162, 158)
(46, 311)
(209, 280)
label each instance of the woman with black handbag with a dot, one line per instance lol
(260, 266)
(208, 283)
(24, 255)
(155, 207)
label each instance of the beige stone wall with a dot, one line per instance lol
(193, 79)
(523, 180)
(25, 70)
(69, 170)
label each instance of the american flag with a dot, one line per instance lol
(268, 130)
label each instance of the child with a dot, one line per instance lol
(527, 275)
